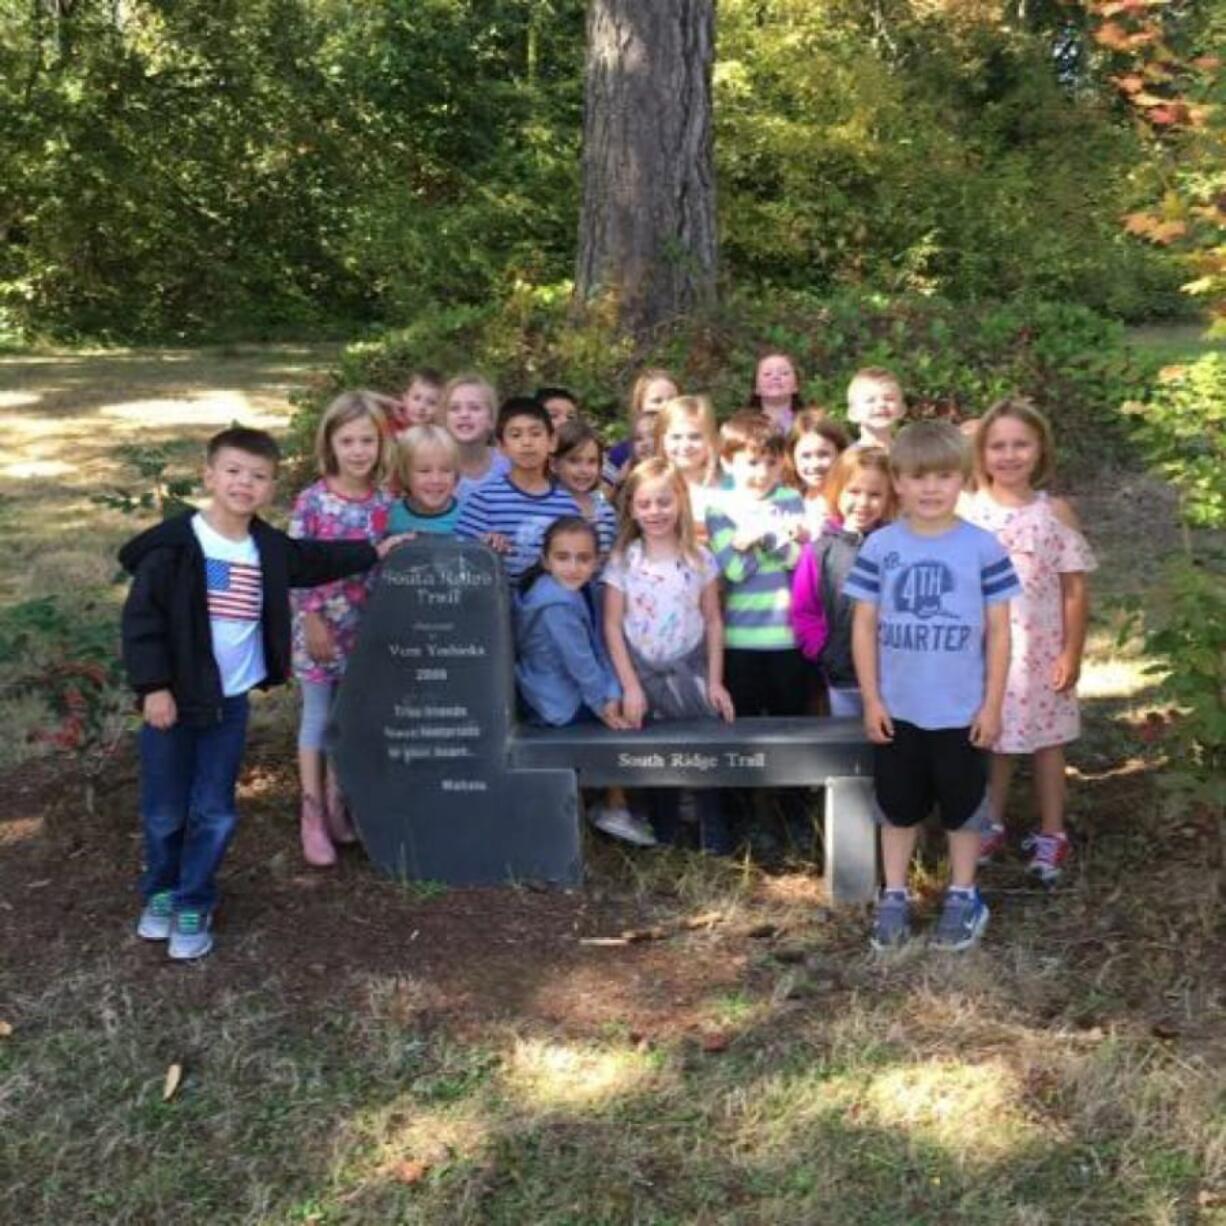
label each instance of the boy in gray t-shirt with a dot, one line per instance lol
(930, 638)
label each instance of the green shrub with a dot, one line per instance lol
(952, 361)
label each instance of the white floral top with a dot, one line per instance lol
(663, 618)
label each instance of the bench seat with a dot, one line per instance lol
(751, 753)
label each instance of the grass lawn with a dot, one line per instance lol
(358, 1050)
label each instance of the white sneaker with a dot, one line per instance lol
(622, 824)
(190, 935)
(154, 923)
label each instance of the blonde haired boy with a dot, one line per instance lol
(930, 640)
(875, 404)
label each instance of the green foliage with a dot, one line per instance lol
(926, 149)
(64, 655)
(1181, 427)
(159, 492)
(277, 167)
(951, 362)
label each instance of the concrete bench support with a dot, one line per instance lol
(851, 840)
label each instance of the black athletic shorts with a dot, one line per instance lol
(923, 767)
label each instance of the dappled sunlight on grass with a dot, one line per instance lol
(549, 1073)
(19, 400)
(215, 408)
(33, 469)
(1115, 677)
(963, 1107)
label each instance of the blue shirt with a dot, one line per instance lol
(932, 594)
(502, 507)
(404, 519)
(561, 665)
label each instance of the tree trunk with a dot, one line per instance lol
(647, 228)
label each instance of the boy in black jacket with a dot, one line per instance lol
(207, 619)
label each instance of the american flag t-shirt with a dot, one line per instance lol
(234, 595)
(234, 589)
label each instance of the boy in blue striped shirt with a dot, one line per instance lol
(511, 513)
(930, 640)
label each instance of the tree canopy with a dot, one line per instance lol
(181, 166)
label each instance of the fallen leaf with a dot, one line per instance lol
(174, 1076)
(604, 942)
(715, 1042)
(6, 1029)
(411, 1171)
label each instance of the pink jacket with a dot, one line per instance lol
(808, 615)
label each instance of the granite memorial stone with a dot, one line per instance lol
(421, 724)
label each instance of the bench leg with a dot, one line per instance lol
(851, 841)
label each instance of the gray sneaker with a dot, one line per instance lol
(622, 824)
(962, 921)
(892, 922)
(154, 922)
(190, 935)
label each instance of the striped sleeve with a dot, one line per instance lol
(863, 582)
(736, 565)
(474, 521)
(998, 579)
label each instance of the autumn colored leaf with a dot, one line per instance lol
(6, 1029)
(174, 1078)
(411, 1171)
(1112, 36)
(1168, 232)
(1163, 116)
(1145, 99)
(1140, 223)
(1130, 83)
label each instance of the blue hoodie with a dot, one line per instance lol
(560, 660)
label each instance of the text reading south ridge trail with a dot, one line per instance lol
(728, 759)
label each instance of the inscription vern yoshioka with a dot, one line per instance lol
(421, 725)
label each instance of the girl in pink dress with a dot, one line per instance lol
(347, 503)
(1014, 454)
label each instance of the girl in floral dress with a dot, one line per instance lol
(347, 503)
(1014, 454)
(665, 635)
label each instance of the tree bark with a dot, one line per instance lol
(647, 232)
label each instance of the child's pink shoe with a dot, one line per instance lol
(317, 847)
(1049, 853)
(336, 813)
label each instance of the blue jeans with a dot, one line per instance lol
(187, 804)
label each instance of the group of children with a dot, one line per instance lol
(766, 566)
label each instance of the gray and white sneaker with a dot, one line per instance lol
(962, 921)
(190, 935)
(892, 921)
(622, 824)
(154, 922)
